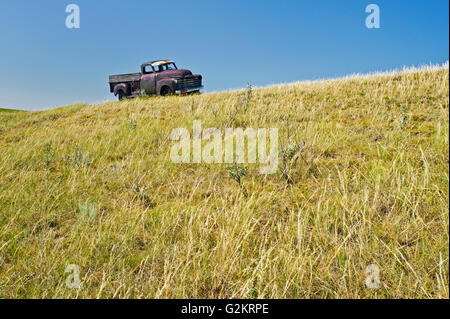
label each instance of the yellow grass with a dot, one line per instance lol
(94, 186)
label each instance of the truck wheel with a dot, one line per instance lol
(165, 90)
(121, 95)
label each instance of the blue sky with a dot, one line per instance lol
(44, 65)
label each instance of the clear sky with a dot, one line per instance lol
(43, 64)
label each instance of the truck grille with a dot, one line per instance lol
(189, 82)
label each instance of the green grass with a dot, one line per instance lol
(94, 186)
(9, 110)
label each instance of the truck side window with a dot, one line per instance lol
(148, 69)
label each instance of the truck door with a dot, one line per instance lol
(148, 80)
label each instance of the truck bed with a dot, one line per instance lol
(121, 78)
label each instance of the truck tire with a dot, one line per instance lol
(165, 90)
(121, 95)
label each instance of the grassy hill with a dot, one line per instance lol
(9, 110)
(94, 186)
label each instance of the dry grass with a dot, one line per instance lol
(94, 186)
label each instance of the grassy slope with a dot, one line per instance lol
(375, 190)
(9, 110)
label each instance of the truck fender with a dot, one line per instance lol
(121, 87)
(166, 82)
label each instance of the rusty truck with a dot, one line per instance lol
(161, 77)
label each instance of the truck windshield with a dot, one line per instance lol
(167, 66)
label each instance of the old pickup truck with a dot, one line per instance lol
(156, 77)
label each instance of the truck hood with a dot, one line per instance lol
(176, 74)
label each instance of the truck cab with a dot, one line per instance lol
(161, 77)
